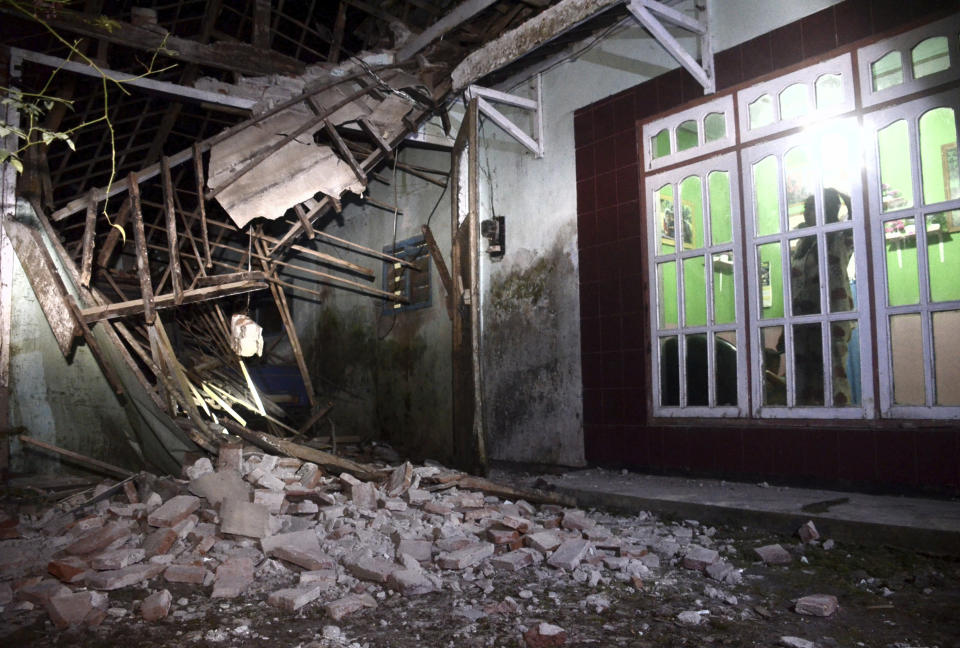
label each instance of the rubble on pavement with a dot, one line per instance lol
(296, 537)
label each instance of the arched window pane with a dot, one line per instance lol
(660, 144)
(714, 127)
(794, 101)
(761, 112)
(829, 91)
(938, 155)
(687, 135)
(930, 56)
(887, 71)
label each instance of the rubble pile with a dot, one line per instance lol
(286, 532)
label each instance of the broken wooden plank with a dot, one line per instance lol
(291, 449)
(344, 150)
(372, 133)
(89, 233)
(233, 56)
(115, 233)
(140, 240)
(304, 223)
(233, 277)
(316, 416)
(338, 29)
(45, 281)
(176, 278)
(522, 40)
(134, 306)
(94, 464)
(201, 203)
(457, 16)
(470, 482)
(438, 260)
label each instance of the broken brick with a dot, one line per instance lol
(99, 539)
(173, 511)
(773, 554)
(569, 554)
(817, 605)
(349, 605)
(156, 606)
(294, 598)
(244, 518)
(193, 574)
(466, 557)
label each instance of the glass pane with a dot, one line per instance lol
(943, 255)
(938, 156)
(946, 353)
(691, 197)
(887, 71)
(930, 56)
(770, 278)
(725, 367)
(903, 285)
(721, 225)
(841, 271)
(663, 202)
(800, 183)
(669, 372)
(667, 291)
(829, 91)
(794, 101)
(660, 144)
(714, 127)
(839, 158)
(724, 296)
(694, 291)
(761, 112)
(697, 369)
(687, 135)
(774, 367)
(845, 358)
(893, 143)
(766, 196)
(905, 343)
(808, 364)
(805, 275)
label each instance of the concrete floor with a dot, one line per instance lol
(921, 524)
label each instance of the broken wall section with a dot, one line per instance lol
(388, 374)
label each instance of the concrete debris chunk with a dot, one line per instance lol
(370, 569)
(399, 480)
(69, 569)
(301, 548)
(272, 499)
(796, 642)
(466, 557)
(74, 609)
(294, 598)
(326, 576)
(348, 605)
(117, 578)
(516, 560)
(421, 550)
(569, 554)
(233, 577)
(773, 554)
(693, 617)
(577, 521)
(218, 486)
(817, 605)
(544, 541)
(417, 496)
(99, 539)
(173, 511)
(808, 532)
(230, 457)
(545, 635)
(468, 500)
(271, 482)
(156, 606)
(117, 559)
(199, 468)
(40, 592)
(522, 525)
(244, 518)
(193, 574)
(437, 508)
(411, 582)
(699, 558)
(364, 495)
(159, 542)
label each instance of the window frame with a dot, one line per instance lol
(904, 43)
(807, 76)
(911, 111)
(653, 182)
(723, 105)
(779, 147)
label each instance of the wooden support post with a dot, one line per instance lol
(338, 29)
(143, 263)
(344, 150)
(261, 24)
(120, 222)
(201, 204)
(304, 221)
(89, 233)
(372, 133)
(281, 299)
(176, 278)
(442, 270)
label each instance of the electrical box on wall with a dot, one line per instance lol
(494, 230)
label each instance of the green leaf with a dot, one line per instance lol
(17, 165)
(4, 131)
(47, 137)
(70, 144)
(4, 154)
